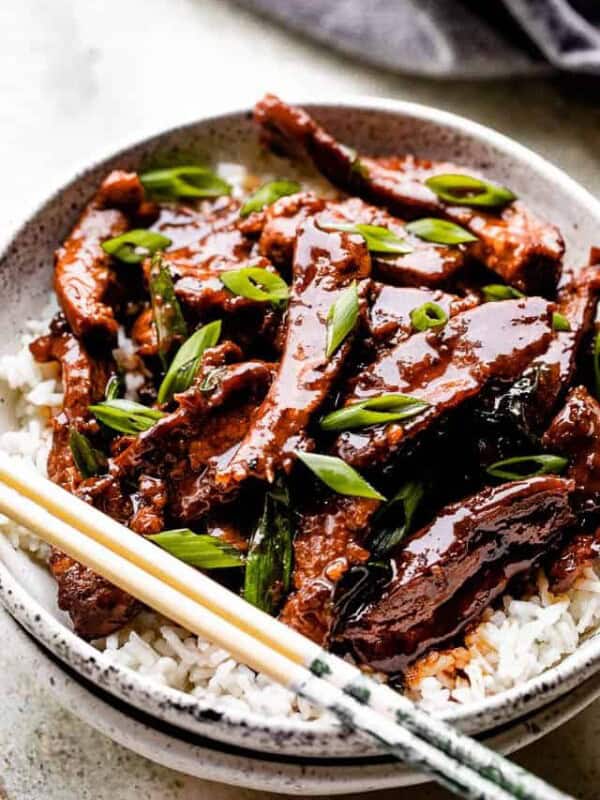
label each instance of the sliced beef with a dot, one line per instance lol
(446, 366)
(329, 539)
(187, 227)
(431, 265)
(280, 225)
(427, 264)
(575, 433)
(573, 560)
(83, 278)
(446, 574)
(84, 379)
(96, 607)
(524, 250)
(388, 320)
(149, 506)
(188, 446)
(325, 264)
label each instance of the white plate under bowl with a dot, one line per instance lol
(202, 758)
(373, 126)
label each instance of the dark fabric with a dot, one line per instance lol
(451, 38)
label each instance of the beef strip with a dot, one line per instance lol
(84, 379)
(329, 538)
(446, 366)
(325, 264)
(431, 265)
(575, 433)
(388, 321)
(444, 575)
(188, 446)
(524, 250)
(427, 265)
(188, 227)
(518, 413)
(95, 606)
(573, 560)
(205, 244)
(280, 225)
(83, 278)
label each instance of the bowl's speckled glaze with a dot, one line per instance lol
(370, 125)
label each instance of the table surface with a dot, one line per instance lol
(77, 81)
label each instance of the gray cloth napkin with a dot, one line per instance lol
(451, 38)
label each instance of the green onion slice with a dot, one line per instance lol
(374, 411)
(465, 190)
(267, 194)
(596, 357)
(560, 322)
(518, 467)
(269, 561)
(498, 291)
(377, 238)
(125, 416)
(429, 315)
(134, 246)
(88, 460)
(338, 475)
(166, 311)
(342, 318)
(115, 386)
(184, 181)
(439, 231)
(187, 360)
(256, 283)
(198, 549)
(409, 497)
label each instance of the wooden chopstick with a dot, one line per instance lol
(203, 606)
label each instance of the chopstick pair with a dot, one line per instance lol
(204, 607)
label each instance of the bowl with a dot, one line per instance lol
(371, 125)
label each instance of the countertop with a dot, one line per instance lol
(77, 80)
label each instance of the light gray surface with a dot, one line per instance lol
(101, 73)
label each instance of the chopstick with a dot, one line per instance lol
(206, 608)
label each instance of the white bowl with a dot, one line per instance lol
(371, 125)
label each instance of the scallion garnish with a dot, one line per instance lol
(377, 238)
(125, 416)
(465, 190)
(185, 364)
(542, 465)
(342, 318)
(88, 460)
(560, 322)
(374, 411)
(269, 560)
(115, 386)
(198, 549)
(439, 231)
(498, 291)
(409, 497)
(338, 475)
(134, 246)
(429, 315)
(256, 283)
(267, 194)
(166, 311)
(184, 181)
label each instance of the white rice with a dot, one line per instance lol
(511, 645)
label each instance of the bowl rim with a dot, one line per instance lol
(501, 708)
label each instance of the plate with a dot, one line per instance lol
(371, 125)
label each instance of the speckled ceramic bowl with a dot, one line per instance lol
(376, 126)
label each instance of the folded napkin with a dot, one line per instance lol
(451, 38)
